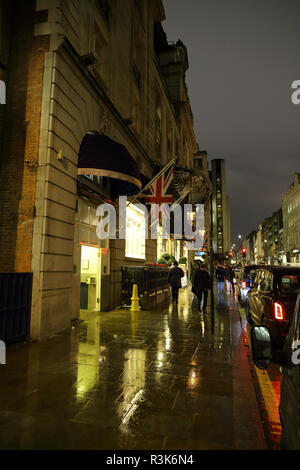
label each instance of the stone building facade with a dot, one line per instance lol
(291, 221)
(73, 68)
(268, 241)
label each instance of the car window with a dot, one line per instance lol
(262, 281)
(289, 284)
(249, 273)
(265, 281)
(268, 281)
(257, 280)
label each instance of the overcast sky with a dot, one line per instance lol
(243, 57)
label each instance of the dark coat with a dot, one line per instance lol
(220, 273)
(231, 274)
(201, 280)
(175, 275)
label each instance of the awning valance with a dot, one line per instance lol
(102, 156)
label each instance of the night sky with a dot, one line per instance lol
(243, 57)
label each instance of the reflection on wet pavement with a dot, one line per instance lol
(267, 384)
(126, 380)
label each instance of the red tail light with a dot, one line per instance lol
(278, 311)
(243, 284)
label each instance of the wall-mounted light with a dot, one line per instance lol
(88, 59)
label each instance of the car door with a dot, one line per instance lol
(290, 386)
(252, 298)
(265, 297)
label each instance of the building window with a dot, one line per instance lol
(135, 232)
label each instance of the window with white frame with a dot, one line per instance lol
(135, 232)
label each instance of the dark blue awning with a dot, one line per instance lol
(102, 156)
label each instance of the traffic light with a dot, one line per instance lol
(230, 254)
(244, 251)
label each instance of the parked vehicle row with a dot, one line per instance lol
(246, 280)
(263, 354)
(271, 295)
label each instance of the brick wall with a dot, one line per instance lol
(20, 141)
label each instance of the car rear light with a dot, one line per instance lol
(244, 285)
(278, 311)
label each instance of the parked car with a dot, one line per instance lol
(289, 358)
(271, 300)
(245, 281)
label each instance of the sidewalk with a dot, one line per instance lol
(143, 380)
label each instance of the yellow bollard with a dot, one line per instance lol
(135, 306)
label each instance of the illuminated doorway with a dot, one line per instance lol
(90, 278)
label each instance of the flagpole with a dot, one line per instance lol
(181, 197)
(168, 165)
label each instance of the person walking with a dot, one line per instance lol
(201, 286)
(231, 278)
(220, 275)
(174, 279)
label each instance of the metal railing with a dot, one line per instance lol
(151, 281)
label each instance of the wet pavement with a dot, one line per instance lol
(165, 379)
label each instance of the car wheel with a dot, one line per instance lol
(248, 316)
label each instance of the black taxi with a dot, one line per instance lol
(272, 299)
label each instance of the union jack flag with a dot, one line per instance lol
(158, 190)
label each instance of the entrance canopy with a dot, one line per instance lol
(102, 156)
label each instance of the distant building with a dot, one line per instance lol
(258, 249)
(252, 242)
(291, 221)
(276, 237)
(220, 210)
(268, 244)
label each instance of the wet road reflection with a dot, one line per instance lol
(126, 380)
(267, 384)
